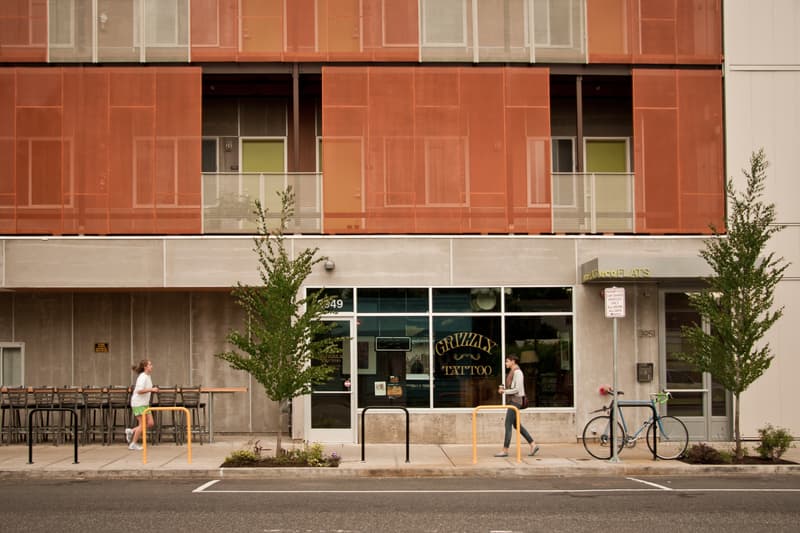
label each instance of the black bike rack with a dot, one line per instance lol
(52, 409)
(408, 426)
(636, 403)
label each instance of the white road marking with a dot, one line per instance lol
(656, 485)
(203, 487)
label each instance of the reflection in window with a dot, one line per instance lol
(392, 300)
(464, 300)
(538, 299)
(544, 346)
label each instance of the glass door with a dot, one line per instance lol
(697, 398)
(332, 409)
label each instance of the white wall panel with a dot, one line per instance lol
(762, 32)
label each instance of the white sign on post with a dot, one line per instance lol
(615, 302)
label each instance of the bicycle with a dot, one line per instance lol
(671, 432)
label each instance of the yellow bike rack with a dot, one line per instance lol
(475, 434)
(188, 430)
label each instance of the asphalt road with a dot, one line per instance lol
(725, 504)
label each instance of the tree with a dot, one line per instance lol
(285, 342)
(738, 301)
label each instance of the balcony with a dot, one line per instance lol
(593, 202)
(229, 199)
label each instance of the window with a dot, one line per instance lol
(12, 367)
(61, 14)
(444, 23)
(563, 159)
(552, 22)
(161, 22)
(450, 354)
(210, 154)
(565, 182)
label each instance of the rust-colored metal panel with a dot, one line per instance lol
(100, 150)
(215, 30)
(23, 31)
(678, 151)
(654, 31)
(436, 150)
(305, 30)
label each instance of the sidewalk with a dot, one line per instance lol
(381, 460)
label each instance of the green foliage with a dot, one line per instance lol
(313, 455)
(704, 454)
(774, 442)
(738, 302)
(283, 332)
(242, 456)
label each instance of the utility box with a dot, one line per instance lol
(644, 372)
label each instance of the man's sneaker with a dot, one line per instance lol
(134, 446)
(128, 435)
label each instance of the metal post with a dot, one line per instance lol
(614, 454)
(408, 428)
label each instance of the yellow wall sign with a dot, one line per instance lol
(101, 347)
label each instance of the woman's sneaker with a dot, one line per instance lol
(134, 446)
(128, 435)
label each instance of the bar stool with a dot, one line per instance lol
(95, 413)
(17, 428)
(190, 399)
(119, 412)
(165, 421)
(69, 398)
(44, 426)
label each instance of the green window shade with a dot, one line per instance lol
(263, 155)
(606, 156)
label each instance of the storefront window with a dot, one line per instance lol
(464, 300)
(467, 361)
(538, 299)
(393, 361)
(392, 300)
(544, 346)
(450, 354)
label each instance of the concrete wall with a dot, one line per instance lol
(181, 328)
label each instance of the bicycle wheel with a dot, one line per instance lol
(673, 437)
(597, 437)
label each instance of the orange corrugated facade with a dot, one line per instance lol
(436, 150)
(655, 31)
(305, 30)
(678, 150)
(100, 150)
(23, 30)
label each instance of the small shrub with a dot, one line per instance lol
(242, 456)
(704, 454)
(774, 442)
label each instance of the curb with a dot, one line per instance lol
(606, 470)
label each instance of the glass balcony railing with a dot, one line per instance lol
(593, 202)
(229, 201)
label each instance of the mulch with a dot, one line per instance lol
(746, 460)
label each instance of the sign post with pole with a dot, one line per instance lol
(615, 308)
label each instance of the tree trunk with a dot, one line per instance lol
(736, 431)
(278, 449)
